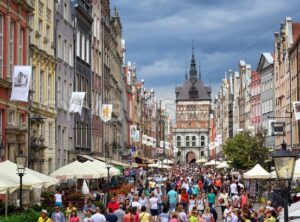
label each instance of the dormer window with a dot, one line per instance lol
(193, 92)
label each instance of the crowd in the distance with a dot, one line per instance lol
(186, 194)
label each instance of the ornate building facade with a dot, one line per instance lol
(14, 32)
(193, 107)
(64, 35)
(42, 100)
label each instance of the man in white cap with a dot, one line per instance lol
(43, 217)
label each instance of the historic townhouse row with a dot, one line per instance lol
(72, 46)
(265, 95)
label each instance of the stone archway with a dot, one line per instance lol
(190, 157)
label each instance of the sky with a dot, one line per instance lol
(159, 36)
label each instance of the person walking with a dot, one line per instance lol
(144, 216)
(74, 217)
(184, 199)
(172, 198)
(223, 199)
(120, 213)
(165, 215)
(211, 198)
(207, 215)
(192, 204)
(43, 217)
(57, 215)
(153, 204)
(58, 198)
(98, 217)
(129, 216)
(182, 214)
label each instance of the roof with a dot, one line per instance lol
(183, 92)
(269, 57)
(296, 30)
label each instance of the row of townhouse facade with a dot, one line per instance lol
(252, 99)
(71, 46)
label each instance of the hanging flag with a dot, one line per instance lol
(296, 106)
(76, 102)
(161, 144)
(149, 141)
(144, 139)
(133, 129)
(153, 143)
(20, 83)
(137, 136)
(106, 110)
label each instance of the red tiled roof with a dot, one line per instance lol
(296, 30)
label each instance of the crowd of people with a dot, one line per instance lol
(185, 193)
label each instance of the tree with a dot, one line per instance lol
(245, 150)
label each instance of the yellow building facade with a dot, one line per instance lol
(42, 99)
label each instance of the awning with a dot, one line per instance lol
(117, 163)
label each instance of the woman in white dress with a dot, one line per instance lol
(192, 203)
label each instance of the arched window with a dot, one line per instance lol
(187, 141)
(178, 141)
(202, 153)
(202, 141)
(193, 140)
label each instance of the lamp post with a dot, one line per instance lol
(284, 161)
(21, 164)
(108, 166)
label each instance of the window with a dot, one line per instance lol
(11, 47)
(41, 87)
(193, 141)
(66, 11)
(87, 57)
(59, 96)
(1, 45)
(11, 117)
(86, 135)
(83, 134)
(202, 141)
(50, 144)
(59, 49)
(187, 141)
(78, 134)
(82, 47)
(66, 53)
(1, 125)
(65, 93)
(49, 97)
(20, 54)
(178, 139)
(71, 55)
(78, 44)
(33, 78)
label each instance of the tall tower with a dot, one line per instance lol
(193, 104)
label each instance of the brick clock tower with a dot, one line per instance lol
(193, 105)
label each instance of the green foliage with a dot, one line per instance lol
(27, 216)
(98, 204)
(245, 150)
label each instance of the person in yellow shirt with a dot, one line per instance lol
(69, 210)
(43, 217)
(152, 185)
(144, 216)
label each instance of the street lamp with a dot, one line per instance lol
(21, 164)
(284, 161)
(108, 160)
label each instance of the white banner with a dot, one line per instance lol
(149, 141)
(133, 129)
(137, 136)
(161, 144)
(20, 83)
(153, 143)
(76, 102)
(106, 110)
(296, 106)
(144, 139)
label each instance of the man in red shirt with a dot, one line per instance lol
(113, 204)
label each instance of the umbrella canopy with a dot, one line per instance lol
(168, 161)
(157, 165)
(9, 178)
(273, 175)
(212, 163)
(223, 165)
(75, 170)
(201, 161)
(100, 167)
(257, 172)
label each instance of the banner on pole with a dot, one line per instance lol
(76, 102)
(149, 141)
(20, 83)
(296, 106)
(106, 110)
(144, 139)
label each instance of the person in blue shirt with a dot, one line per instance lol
(173, 198)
